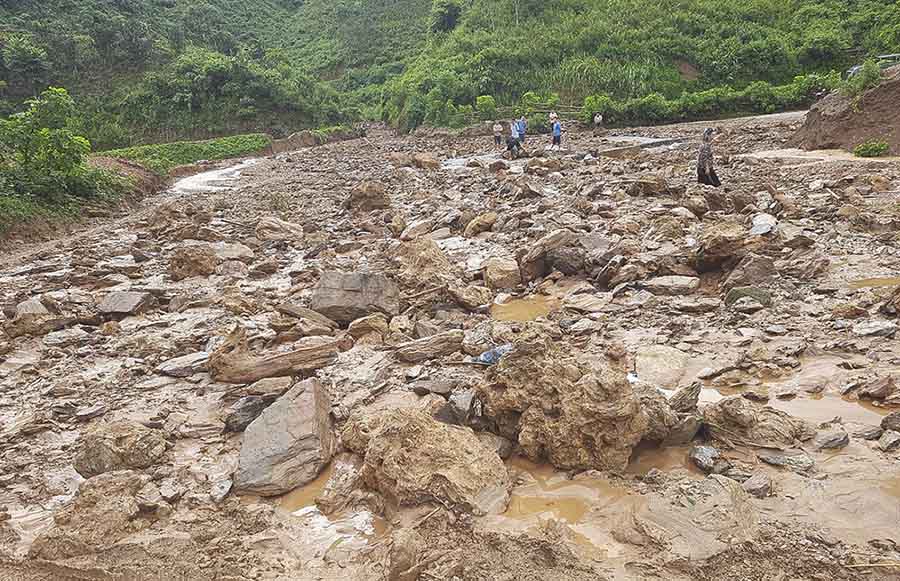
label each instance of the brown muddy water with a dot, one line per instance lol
(879, 282)
(525, 309)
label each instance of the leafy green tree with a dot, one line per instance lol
(487, 107)
(27, 63)
(445, 15)
(40, 155)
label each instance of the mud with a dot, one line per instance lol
(618, 281)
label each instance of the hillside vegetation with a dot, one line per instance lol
(159, 70)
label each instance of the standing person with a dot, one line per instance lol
(498, 134)
(523, 127)
(514, 130)
(556, 130)
(706, 172)
(598, 123)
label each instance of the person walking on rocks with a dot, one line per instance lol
(498, 134)
(598, 123)
(514, 130)
(706, 172)
(556, 130)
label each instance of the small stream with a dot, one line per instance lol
(212, 181)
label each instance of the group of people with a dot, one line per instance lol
(518, 129)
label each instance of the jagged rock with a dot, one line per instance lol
(407, 561)
(795, 460)
(120, 445)
(271, 228)
(568, 260)
(345, 488)
(416, 229)
(302, 313)
(245, 410)
(499, 444)
(441, 388)
(425, 161)
(649, 186)
(233, 269)
(889, 441)
(368, 196)
(226, 251)
(479, 224)
(377, 323)
(32, 317)
(747, 305)
(498, 165)
(459, 408)
(661, 419)
(758, 485)
(502, 273)
(891, 422)
(64, 338)
(439, 345)
(672, 285)
(347, 297)
(193, 260)
(555, 411)
(685, 430)
(864, 432)
(879, 388)
(184, 366)
(832, 439)
(752, 270)
(411, 458)
(289, 443)
(735, 418)
(533, 262)
(105, 510)
(709, 460)
(471, 296)
(761, 296)
(685, 399)
(123, 303)
(875, 329)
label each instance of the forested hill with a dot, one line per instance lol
(156, 69)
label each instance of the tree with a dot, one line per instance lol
(445, 15)
(26, 62)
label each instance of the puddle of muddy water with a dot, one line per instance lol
(525, 309)
(347, 529)
(880, 282)
(665, 458)
(551, 494)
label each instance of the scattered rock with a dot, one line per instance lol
(439, 345)
(368, 196)
(763, 297)
(502, 273)
(479, 224)
(889, 441)
(685, 398)
(736, 419)
(288, 444)
(120, 445)
(834, 439)
(126, 303)
(672, 285)
(709, 459)
(184, 366)
(376, 323)
(758, 485)
(891, 422)
(193, 260)
(875, 329)
(244, 411)
(794, 460)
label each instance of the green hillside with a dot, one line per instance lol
(159, 70)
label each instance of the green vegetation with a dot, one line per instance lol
(865, 78)
(162, 158)
(43, 166)
(872, 148)
(163, 70)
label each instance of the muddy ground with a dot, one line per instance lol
(278, 371)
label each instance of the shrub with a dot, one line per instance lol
(867, 77)
(871, 148)
(162, 158)
(487, 107)
(445, 15)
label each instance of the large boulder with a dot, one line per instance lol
(120, 445)
(411, 458)
(368, 196)
(735, 419)
(193, 260)
(36, 317)
(576, 419)
(432, 347)
(124, 303)
(289, 444)
(502, 273)
(346, 297)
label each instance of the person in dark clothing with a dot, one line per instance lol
(706, 172)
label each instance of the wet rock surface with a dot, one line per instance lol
(602, 315)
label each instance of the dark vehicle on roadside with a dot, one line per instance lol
(884, 61)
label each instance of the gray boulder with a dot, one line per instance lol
(289, 444)
(120, 445)
(346, 297)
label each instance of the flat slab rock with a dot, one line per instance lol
(289, 444)
(126, 303)
(346, 297)
(672, 285)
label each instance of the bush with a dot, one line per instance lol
(867, 77)
(162, 158)
(872, 148)
(487, 107)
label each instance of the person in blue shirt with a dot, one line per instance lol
(557, 133)
(523, 126)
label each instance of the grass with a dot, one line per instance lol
(163, 157)
(16, 211)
